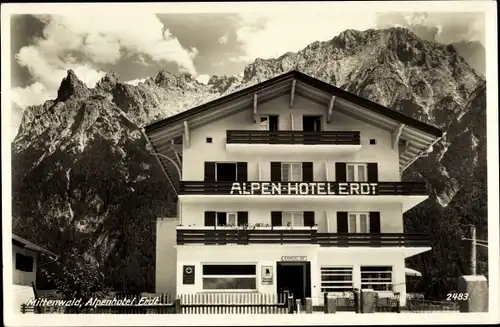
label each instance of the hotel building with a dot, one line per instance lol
(290, 184)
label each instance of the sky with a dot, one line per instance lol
(137, 45)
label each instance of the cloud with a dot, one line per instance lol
(270, 35)
(223, 39)
(203, 78)
(442, 27)
(136, 81)
(85, 42)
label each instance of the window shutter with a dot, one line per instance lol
(375, 222)
(209, 171)
(372, 172)
(276, 218)
(275, 171)
(309, 218)
(342, 225)
(209, 218)
(242, 172)
(307, 172)
(340, 172)
(242, 218)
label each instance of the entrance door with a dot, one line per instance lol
(294, 277)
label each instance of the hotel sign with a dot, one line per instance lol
(303, 188)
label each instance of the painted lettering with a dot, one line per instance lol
(321, 188)
(276, 188)
(303, 189)
(236, 187)
(354, 188)
(343, 189)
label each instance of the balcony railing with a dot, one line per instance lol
(293, 137)
(302, 188)
(302, 236)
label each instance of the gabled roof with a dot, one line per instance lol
(418, 137)
(316, 83)
(23, 243)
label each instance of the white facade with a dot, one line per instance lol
(208, 143)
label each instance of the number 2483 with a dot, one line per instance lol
(457, 296)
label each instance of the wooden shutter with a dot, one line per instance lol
(307, 172)
(340, 172)
(209, 218)
(242, 172)
(342, 225)
(209, 171)
(275, 171)
(309, 218)
(242, 218)
(276, 218)
(372, 173)
(375, 222)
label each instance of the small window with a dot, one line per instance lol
(209, 140)
(24, 262)
(373, 141)
(376, 278)
(294, 219)
(226, 218)
(358, 222)
(356, 173)
(291, 172)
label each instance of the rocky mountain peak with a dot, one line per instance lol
(71, 86)
(108, 82)
(165, 79)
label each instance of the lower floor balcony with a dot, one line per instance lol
(306, 235)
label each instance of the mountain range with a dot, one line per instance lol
(82, 177)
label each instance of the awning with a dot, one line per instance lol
(412, 272)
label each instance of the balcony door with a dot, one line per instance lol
(226, 171)
(311, 123)
(268, 123)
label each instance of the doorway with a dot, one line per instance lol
(294, 277)
(311, 123)
(225, 172)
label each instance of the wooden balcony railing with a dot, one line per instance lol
(302, 188)
(302, 236)
(293, 137)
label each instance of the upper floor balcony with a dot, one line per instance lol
(408, 193)
(415, 243)
(275, 141)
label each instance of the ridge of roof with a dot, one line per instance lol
(323, 86)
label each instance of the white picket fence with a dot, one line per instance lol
(232, 303)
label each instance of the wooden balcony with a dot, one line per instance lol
(302, 188)
(299, 236)
(293, 137)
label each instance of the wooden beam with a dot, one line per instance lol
(326, 171)
(255, 111)
(292, 93)
(292, 125)
(330, 109)
(186, 133)
(396, 135)
(172, 146)
(406, 148)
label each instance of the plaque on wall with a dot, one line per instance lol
(267, 275)
(188, 275)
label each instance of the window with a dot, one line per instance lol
(268, 123)
(358, 222)
(209, 140)
(293, 219)
(336, 279)
(377, 278)
(226, 218)
(291, 172)
(373, 141)
(24, 262)
(356, 173)
(229, 277)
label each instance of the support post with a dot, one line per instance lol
(330, 304)
(298, 305)
(395, 136)
(292, 93)
(255, 109)
(473, 293)
(289, 302)
(473, 248)
(309, 305)
(330, 109)
(186, 134)
(368, 299)
(177, 306)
